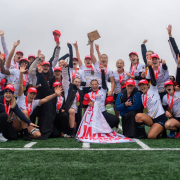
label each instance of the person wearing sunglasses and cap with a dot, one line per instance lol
(31, 58)
(155, 117)
(128, 102)
(28, 103)
(171, 102)
(7, 105)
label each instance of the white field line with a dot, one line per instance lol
(92, 149)
(30, 144)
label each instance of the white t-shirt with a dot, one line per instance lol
(139, 68)
(97, 73)
(117, 88)
(162, 77)
(13, 65)
(100, 98)
(22, 103)
(62, 99)
(87, 75)
(176, 103)
(154, 105)
(14, 79)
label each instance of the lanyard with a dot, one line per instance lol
(156, 75)
(105, 69)
(121, 77)
(29, 110)
(132, 70)
(77, 96)
(7, 110)
(15, 64)
(92, 69)
(59, 102)
(147, 68)
(74, 74)
(25, 80)
(94, 95)
(145, 101)
(170, 103)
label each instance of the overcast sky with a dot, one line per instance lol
(122, 24)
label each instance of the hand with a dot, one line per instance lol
(163, 61)
(32, 124)
(57, 44)
(110, 93)
(62, 110)
(169, 30)
(128, 103)
(97, 47)
(128, 74)
(16, 43)
(65, 63)
(40, 69)
(145, 41)
(91, 103)
(178, 58)
(2, 34)
(58, 90)
(75, 45)
(101, 67)
(39, 53)
(177, 88)
(143, 75)
(149, 62)
(168, 114)
(23, 68)
(1, 57)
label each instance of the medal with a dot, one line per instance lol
(133, 70)
(25, 80)
(92, 72)
(77, 103)
(77, 98)
(7, 109)
(27, 108)
(157, 72)
(121, 77)
(74, 74)
(24, 88)
(171, 103)
(145, 110)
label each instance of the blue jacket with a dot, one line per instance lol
(122, 98)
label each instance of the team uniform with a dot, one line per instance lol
(152, 102)
(14, 65)
(120, 80)
(175, 104)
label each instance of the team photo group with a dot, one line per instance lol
(44, 98)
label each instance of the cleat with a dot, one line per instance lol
(171, 135)
(65, 136)
(73, 135)
(177, 135)
(3, 139)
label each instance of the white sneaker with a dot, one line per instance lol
(117, 129)
(3, 139)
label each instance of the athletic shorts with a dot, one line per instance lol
(115, 97)
(160, 120)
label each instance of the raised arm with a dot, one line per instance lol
(71, 55)
(3, 70)
(151, 72)
(8, 61)
(144, 51)
(104, 85)
(178, 72)
(92, 53)
(97, 50)
(56, 54)
(77, 54)
(6, 52)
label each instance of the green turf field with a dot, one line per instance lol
(63, 158)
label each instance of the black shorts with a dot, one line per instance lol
(160, 120)
(115, 97)
(177, 118)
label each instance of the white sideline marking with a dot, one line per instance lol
(92, 149)
(85, 145)
(30, 144)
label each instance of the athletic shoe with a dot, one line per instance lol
(177, 135)
(3, 139)
(27, 138)
(65, 136)
(73, 135)
(171, 135)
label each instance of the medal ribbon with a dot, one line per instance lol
(77, 96)
(74, 74)
(94, 97)
(25, 80)
(170, 103)
(59, 102)
(29, 110)
(133, 70)
(121, 77)
(92, 69)
(105, 70)
(15, 64)
(7, 110)
(145, 101)
(156, 75)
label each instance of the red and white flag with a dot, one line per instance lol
(95, 129)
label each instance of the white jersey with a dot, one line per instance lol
(117, 88)
(162, 77)
(14, 79)
(59, 99)
(154, 105)
(14, 65)
(87, 75)
(97, 73)
(22, 103)
(139, 68)
(100, 98)
(176, 103)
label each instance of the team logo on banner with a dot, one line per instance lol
(95, 129)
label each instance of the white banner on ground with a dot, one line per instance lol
(95, 129)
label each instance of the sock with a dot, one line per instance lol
(25, 132)
(140, 125)
(71, 130)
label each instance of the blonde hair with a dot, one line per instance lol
(150, 51)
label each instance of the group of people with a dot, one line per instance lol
(42, 99)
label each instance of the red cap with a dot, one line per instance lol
(130, 82)
(23, 59)
(20, 52)
(133, 53)
(11, 87)
(168, 82)
(32, 89)
(45, 63)
(4, 55)
(56, 84)
(109, 100)
(57, 68)
(154, 55)
(86, 99)
(31, 55)
(57, 35)
(87, 57)
(143, 81)
(75, 58)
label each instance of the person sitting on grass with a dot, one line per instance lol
(171, 101)
(155, 117)
(27, 104)
(128, 102)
